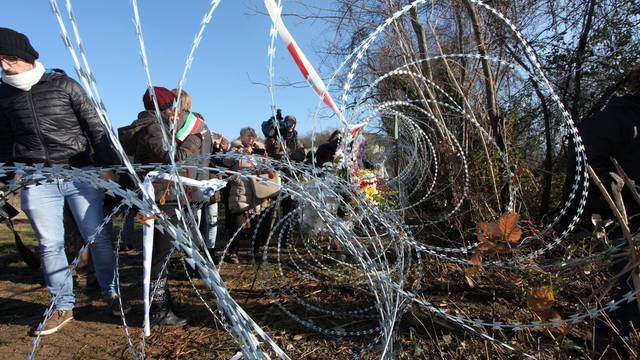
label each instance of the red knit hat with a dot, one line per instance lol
(165, 98)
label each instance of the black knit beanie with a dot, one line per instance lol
(13, 43)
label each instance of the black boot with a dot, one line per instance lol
(161, 306)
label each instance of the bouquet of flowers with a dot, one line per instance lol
(372, 186)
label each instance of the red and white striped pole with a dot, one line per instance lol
(301, 60)
(308, 71)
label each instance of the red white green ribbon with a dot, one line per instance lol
(190, 127)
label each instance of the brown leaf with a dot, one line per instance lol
(486, 246)
(483, 233)
(550, 315)
(541, 299)
(508, 227)
(476, 259)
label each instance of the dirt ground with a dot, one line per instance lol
(95, 334)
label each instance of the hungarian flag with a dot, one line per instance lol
(191, 125)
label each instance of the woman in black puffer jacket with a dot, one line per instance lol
(46, 118)
(52, 123)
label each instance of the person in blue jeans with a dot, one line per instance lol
(47, 118)
(209, 221)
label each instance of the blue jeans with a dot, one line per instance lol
(209, 225)
(43, 205)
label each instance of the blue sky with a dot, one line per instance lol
(227, 79)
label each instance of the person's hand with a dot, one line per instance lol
(216, 139)
(248, 150)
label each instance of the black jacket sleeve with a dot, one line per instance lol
(6, 147)
(90, 122)
(6, 140)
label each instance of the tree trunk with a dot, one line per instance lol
(582, 46)
(423, 47)
(489, 84)
(548, 158)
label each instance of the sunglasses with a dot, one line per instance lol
(10, 60)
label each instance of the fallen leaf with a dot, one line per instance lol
(508, 227)
(486, 246)
(505, 229)
(541, 299)
(551, 315)
(476, 259)
(488, 232)
(470, 281)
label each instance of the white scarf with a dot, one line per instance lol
(25, 80)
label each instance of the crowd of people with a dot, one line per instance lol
(47, 118)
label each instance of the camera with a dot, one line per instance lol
(278, 121)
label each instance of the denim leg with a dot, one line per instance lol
(43, 205)
(86, 204)
(211, 219)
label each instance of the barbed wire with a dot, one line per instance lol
(354, 243)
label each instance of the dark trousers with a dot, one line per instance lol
(162, 244)
(236, 222)
(289, 205)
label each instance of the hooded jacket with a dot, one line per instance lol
(52, 123)
(147, 146)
